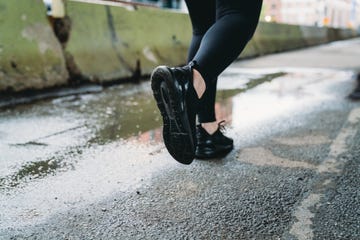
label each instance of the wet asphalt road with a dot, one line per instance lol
(93, 166)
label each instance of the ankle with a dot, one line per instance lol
(210, 127)
(198, 83)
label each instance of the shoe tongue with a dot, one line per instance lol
(217, 132)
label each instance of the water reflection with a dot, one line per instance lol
(136, 115)
(146, 123)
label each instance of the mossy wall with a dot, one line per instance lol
(110, 42)
(30, 55)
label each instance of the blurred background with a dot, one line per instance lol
(332, 13)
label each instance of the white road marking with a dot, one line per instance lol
(301, 229)
(263, 157)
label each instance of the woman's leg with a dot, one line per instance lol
(235, 23)
(202, 18)
(221, 45)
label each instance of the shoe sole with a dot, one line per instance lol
(212, 155)
(177, 132)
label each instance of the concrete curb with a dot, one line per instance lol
(111, 42)
(274, 37)
(30, 55)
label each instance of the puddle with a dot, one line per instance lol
(60, 162)
(136, 114)
(39, 139)
(29, 172)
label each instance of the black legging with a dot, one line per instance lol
(221, 30)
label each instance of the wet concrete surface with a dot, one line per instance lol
(93, 166)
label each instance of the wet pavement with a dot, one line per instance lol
(93, 166)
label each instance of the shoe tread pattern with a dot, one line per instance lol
(176, 131)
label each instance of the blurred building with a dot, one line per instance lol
(334, 13)
(272, 11)
(172, 4)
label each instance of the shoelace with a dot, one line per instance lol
(221, 126)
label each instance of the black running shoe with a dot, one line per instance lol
(177, 101)
(212, 146)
